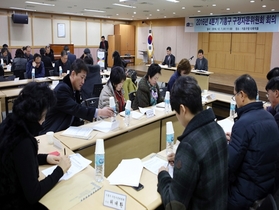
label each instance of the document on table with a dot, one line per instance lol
(78, 163)
(226, 124)
(135, 114)
(128, 172)
(78, 132)
(105, 126)
(155, 163)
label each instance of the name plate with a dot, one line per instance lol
(114, 200)
(150, 113)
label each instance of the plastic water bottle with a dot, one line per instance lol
(167, 102)
(169, 137)
(128, 113)
(2, 61)
(99, 160)
(60, 71)
(258, 97)
(33, 74)
(112, 106)
(232, 109)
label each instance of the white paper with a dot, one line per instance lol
(161, 105)
(128, 172)
(105, 126)
(134, 114)
(78, 163)
(226, 124)
(143, 110)
(155, 163)
(78, 132)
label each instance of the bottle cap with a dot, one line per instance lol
(128, 104)
(167, 96)
(111, 102)
(33, 70)
(99, 148)
(60, 67)
(169, 129)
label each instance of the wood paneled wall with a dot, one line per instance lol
(237, 53)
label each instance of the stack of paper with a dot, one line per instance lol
(105, 126)
(161, 105)
(155, 163)
(128, 172)
(78, 163)
(135, 114)
(78, 132)
(226, 124)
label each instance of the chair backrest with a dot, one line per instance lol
(91, 102)
(163, 91)
(93, 77)
(51, 72)
(97, 89)
(19, 73)
(9, 78)
(132, 96)
(268, 203)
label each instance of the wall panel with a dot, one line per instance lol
(66, 39)
(93, 33)
(4, 32)
(21, 33)
(78, 32)
(42, 33)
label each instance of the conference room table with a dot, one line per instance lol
(75, 193)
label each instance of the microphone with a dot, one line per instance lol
(191, 58)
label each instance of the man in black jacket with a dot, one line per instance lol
(169, 59)
(68, 110)
(104, 45)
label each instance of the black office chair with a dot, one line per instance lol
(268, 203)
(20, 73)
(163, 91)
(93, 77)
(9, 78)
(97, 89)
(91, 102)
(132, 96)
(51, 72)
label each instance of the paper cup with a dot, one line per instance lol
(99, 149)
(167, 96)
(169, 128)
(50, 137)
(205, 91)
(128, 104)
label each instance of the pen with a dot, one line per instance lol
(64, 151)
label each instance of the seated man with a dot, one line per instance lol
(64, 63)
(201, 62)
(47, 61)
(68, 110)
(200, 173)
(49, 53)
(37, 64)
(71, 57)
(253, 148)
(169, 59)
(28, 54)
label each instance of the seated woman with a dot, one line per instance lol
(19, 158)
(19, 64)
(113, 88)
(148, 92)
(117, 61)
(183, 68)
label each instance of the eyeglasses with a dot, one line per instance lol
(233, 97)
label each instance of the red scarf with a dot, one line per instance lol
(120, 99)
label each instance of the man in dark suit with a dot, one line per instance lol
(47, 62)
(201, 62)
(28, 54)
(64, 63)
(169, 59)
(104, 45)
(71, 57)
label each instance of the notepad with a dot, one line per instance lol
(78, 132)
(134, 114)
(155, 163)
(105, 126)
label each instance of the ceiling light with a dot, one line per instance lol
(213, 5)
(100, 16)
(199, 11)
(150, 14)
(183, 7)
(123, 5)
(165, 16)
(147, 18)
(173, 13)
(272, 10)
(93, 10)
(211, 13)
(135, 13)
(158, 10)
(72, 13)
(173, 1)
(39, 3)
(117, 14)
(252, 1)
(228, 9)
(238, 12)
(264, 6)
(125, 18)
(19, 8)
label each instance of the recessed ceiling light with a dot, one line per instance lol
(39, 3)
(123, 5)
(19, 8)
(199, 11)
(72, 13)
(93, 10)
(147, 17)
(252, 1)
(264, 5)
(183, 7)
(228, 9)
(211, 13)
(238, 12)
(272, 10)
(150, 14)
(125, 18)
(165, 16)
(135, 13)
(213, 5)
(173, 13)
(173, 1)
(158, 10)
(117, 14)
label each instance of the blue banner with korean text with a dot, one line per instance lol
(241, 23)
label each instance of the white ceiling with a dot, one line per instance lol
(147, 9)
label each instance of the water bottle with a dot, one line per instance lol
(258, 97)
(99, 160)
(232, 109)
(128, 113)
(60, 71)
(169, 137)
(167, 102)
(33, 74)
(112, 106)
(152, 61)
(2, 61)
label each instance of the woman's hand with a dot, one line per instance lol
(53, 159)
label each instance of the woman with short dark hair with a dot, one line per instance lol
(19, 158)
(19, 64)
